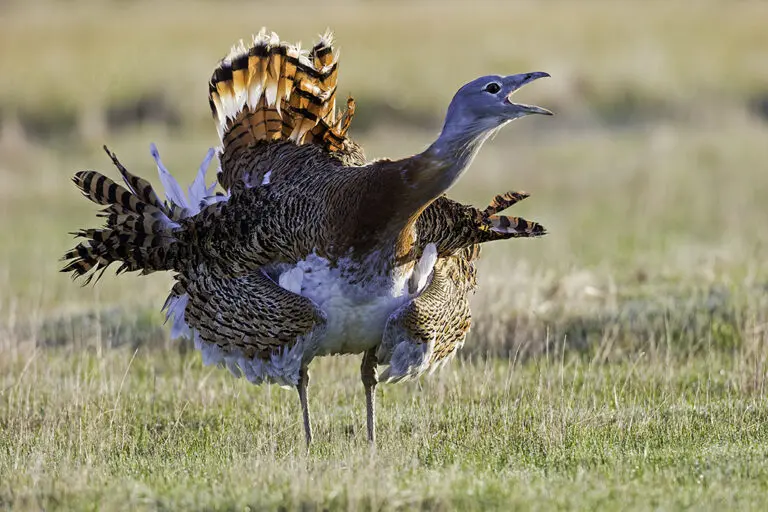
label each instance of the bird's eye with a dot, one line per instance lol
(492, 88)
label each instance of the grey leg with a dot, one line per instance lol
(370, 377)
(302, 387)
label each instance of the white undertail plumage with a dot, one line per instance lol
(199, 195)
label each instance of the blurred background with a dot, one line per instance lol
(651, 179)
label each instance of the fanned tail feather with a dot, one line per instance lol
(272, 91)
(140, 230)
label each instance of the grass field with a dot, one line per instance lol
(618, 363)
(157, 431)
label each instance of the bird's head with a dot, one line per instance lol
(478, 110)
(485, 103)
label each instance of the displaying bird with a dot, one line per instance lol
(310, 250)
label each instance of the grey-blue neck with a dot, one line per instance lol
(478, 109)
(453, 151)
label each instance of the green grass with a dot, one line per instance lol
(618, 363)
(157, 430)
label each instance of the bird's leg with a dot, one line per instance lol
(370, 377)
(302, 387)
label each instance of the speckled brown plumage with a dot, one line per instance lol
(301, 214)
(437, 321)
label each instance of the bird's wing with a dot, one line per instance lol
(429, 329)
(453, 226)
(272, 91)
(249, 320)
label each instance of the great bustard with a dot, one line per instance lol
(310, 250)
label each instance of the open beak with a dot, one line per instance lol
(517, 82)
